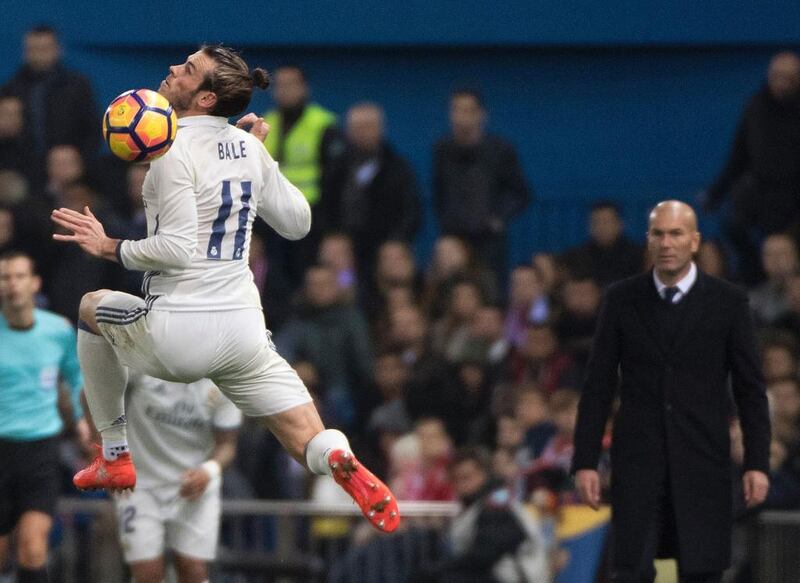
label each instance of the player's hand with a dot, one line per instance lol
(756, 486)
(257, 126)
(194, 483)
(86, 231)
(588, 485)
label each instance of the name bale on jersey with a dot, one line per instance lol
(231, 150)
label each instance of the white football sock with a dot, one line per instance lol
(320, 446)
(105, 380)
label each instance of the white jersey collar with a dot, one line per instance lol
(203, 120)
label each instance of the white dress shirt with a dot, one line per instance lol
(684, 285)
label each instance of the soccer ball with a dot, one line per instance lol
(139, 125)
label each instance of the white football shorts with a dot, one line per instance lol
(151, 520)
(232, 348)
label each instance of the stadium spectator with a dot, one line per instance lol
(48, 89)
(474, 402)
(493, 538)
(532, 412)
(16, 152)
(789, 320)
(487, 343)
(395, 269)
(336, 252)
(389, 419)
(431, 388)
(184, 436)
(453, 260)
(450, 334)
(332, 335)
(609, 255)
(391, 377)
(425, 476)
(784, 398)
(506, 468)
(65, 165)
(305, 141)
(14, 188)
(527, 304)
(7, 231)
(478, 183)
(509, 435)
(371, 192)
(674, 337)
(272, 286)
(779, 357)
(577, 319)
(37, 352)
(135, 220)
(550, 470)
(779, 261)
(544, 362)
(73, 273)
(24, 226)
(550, 272)
(762, 174)
(712, 259)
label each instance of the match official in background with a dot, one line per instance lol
(37, 350)
(671, 339)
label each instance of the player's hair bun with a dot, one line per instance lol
(260, 78)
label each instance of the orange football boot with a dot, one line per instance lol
(376, 501)
(102, 474)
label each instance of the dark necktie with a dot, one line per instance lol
(669, 293)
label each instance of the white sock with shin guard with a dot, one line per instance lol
(105, 380)
(320, 446)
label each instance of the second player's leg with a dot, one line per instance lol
(191, 570)
(150, 571)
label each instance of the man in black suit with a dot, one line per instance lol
(670, 339)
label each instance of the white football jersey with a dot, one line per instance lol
(171, 426)
(200, 199)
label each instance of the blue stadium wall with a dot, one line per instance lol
(629, 101)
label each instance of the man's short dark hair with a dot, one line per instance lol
(294, 67)
(469, 92)
(12, 254)
(476, 454)
(605, 204)
(43, 29)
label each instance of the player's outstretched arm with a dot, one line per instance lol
(282, 206)
(86, 231)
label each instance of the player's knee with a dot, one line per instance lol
(191, 570)
(88, 305)
(32, 551)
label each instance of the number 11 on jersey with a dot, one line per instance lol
(218, 228)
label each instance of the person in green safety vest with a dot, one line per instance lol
(304, 139)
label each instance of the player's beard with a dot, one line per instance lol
(182, 103)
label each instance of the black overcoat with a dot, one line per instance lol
(673, 421)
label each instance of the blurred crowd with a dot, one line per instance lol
(415, 361)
